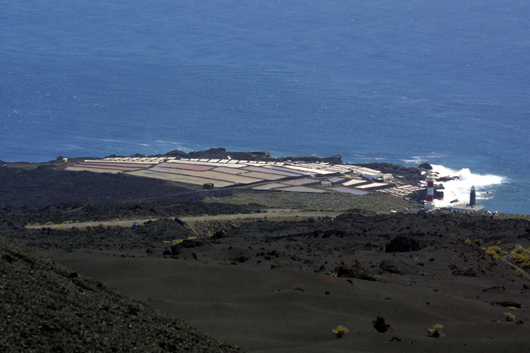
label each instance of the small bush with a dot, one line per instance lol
(521, 256)
(509, 316)
(436, 331)
(494, 251)
(340, 331)
(467, 241)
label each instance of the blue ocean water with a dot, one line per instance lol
(402, 82)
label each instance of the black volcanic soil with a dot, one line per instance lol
(48, 308)
(48, 185)
(282, 286)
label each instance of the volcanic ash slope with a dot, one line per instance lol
(46, 307)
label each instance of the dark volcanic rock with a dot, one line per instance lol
(186, 244)
(469, 272)
(390, 267)
(351, 271)
(411, 175)
(381, 325)
(222, 153)
(402, 243)
(507, 303)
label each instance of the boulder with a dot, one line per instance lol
(381, 325)
(390, 267)
(402, 243)
(354, 271)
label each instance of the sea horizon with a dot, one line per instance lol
(373, 81)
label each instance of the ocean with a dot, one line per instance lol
(403, 82)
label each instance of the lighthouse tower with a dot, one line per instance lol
(472, 197)
(429, 205)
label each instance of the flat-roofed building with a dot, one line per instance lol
(467, 209)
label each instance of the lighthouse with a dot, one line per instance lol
(429, 204)
(471, 207)
(472, 197)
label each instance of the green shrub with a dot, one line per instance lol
(509, 316)
(340, 331)
(521, 256)
(436, 331)
(467, 241)
(494, 251)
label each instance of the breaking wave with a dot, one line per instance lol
(459, 189)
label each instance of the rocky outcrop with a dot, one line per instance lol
(390, 267)
(402, 243)
(187, 244)
(354, 271)
(337, 159)
(425, 166)
(409, 175)
(222, 153)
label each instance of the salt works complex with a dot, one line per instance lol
(258, 175)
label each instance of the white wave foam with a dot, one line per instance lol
(420, 159)
(168, 142)
(125, 142)
(459, 189)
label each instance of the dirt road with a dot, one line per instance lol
(271, 213)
